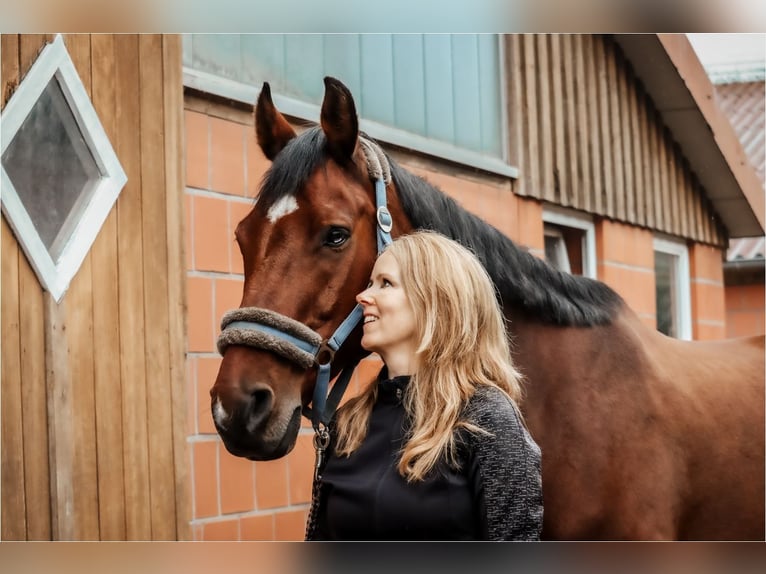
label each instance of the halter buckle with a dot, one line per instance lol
(384, 219)
(324, 351)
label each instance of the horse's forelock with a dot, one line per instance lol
(293, 166)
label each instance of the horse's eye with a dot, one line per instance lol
(336, 236)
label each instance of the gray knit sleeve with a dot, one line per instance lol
(504, 468)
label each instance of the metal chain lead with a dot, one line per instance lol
(321, 442)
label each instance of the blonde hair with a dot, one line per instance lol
(462, 345)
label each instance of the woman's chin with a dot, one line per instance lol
(369, 346)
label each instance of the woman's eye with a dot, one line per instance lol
(386, 283)
(336, 237)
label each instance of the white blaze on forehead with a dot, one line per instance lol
(283, 207)
(219, 414)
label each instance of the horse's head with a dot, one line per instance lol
(308, 246)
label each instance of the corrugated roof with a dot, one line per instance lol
(744, 103)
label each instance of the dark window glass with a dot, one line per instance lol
(51, 168)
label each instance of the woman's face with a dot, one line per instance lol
(389, 321)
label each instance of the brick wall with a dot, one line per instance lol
(707, 292)
(745, 310)
(625, 257)
(235, 499)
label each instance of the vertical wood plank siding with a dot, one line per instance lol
(111, 354)
(602, 149)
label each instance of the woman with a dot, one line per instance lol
(436, 449)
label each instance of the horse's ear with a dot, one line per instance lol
(338, 118)
(271, 127)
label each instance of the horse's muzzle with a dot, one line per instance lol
(250, 431)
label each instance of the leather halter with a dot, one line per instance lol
(272, 331)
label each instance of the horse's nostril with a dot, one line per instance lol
(259, 408)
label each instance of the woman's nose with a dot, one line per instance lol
(364, 297)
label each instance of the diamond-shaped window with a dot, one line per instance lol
(60, 175)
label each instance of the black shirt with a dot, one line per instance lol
(495, 494)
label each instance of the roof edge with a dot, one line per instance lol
(674, 77)
(700, 86)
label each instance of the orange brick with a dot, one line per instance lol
(201, 333)
(639, 248)
(237, 484)
(300, 465)
(612, 276)
(497, 207)
(227, 156)
(744, 323)
(705, 262)
(421, 172)
(471, 199)
(257, 527)
(640, 290)
(228, 295)
(211, 239)
(257, 164)
(207, 371)
(707, 302)
(513, 216)
(189, 202)
(611, 241)
(530, 224)
(271, 483)
(635, 286)
(197, 149)
(205, 479)
(446, 183)
(191, 403)
(753, 297)
(221, 530)
(290, 525)
(733, 298)
(706, 332)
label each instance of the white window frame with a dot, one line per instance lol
(679, 249)
(55, 276)
(574, 219)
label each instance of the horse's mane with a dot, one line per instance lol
(521, 279)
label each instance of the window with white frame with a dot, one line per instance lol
(570, 241)
(60, 175)
(673, 297)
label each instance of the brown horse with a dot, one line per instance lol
(643, 436)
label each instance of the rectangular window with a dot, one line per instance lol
(673, 299)
(570, 243)
(441, 94)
